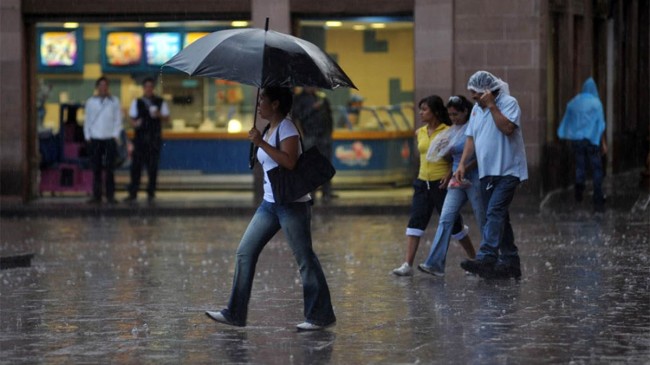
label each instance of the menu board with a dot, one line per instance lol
(161, 46)
(59, 50)
(123, 48)
(143, 50)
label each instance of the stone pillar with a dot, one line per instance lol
(13, 124)
(280, 21)
(434, 48)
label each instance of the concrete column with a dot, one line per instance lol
(13, 123)
(433, 47)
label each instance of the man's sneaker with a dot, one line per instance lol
(219, 317)
(430, 270)
(482, 268)
(404, 270)
(306, 326)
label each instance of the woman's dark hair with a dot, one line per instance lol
(437, 107)
(460, 103)
(281, 94)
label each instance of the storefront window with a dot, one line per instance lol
(205, 137)
(377, 54)
(127, 53)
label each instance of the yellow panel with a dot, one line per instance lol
(51, 119)
(91, 31)
(371, 71)
(92, 71)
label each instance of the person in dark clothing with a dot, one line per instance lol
(147, 115)
(312, 112)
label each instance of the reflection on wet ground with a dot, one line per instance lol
(133, 290)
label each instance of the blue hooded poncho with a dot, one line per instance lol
(584, 117)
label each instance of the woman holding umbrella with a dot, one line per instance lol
(294, 219)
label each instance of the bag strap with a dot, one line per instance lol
(277, 137)
(101, 109)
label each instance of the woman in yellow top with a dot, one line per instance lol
(430, 188)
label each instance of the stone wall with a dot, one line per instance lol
(13, 124)
(507, 38)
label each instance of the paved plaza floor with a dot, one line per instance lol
(133, 289)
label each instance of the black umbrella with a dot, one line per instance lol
(260, 57)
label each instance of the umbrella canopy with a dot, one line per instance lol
(260, 58)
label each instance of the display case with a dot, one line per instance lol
(68, 170)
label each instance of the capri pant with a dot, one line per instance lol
(427, 196)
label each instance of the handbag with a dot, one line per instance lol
(311, 171)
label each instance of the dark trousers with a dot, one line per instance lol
(102, 159)
(587, 154)
(428, 196)
(498, 239)
(144, 155)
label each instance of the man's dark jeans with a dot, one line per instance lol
(498, 241)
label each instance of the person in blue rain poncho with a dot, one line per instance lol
(584, 125)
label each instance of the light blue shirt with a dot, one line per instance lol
(456, 151)
(496, 153)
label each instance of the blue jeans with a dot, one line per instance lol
(295, 221)
(498, 241)
(454, 201)
(586, 153)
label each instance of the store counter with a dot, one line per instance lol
(220, 159)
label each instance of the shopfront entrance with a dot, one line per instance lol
(205, 144)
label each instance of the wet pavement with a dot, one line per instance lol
(113, 288)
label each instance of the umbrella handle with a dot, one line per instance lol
(251, 157)
(252, 152)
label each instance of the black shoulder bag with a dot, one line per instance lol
(311, 171)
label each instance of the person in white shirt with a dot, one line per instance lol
(102, 128)
(147, 115)
(494, 133)
(278, 146)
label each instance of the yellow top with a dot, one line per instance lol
(430, 171)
